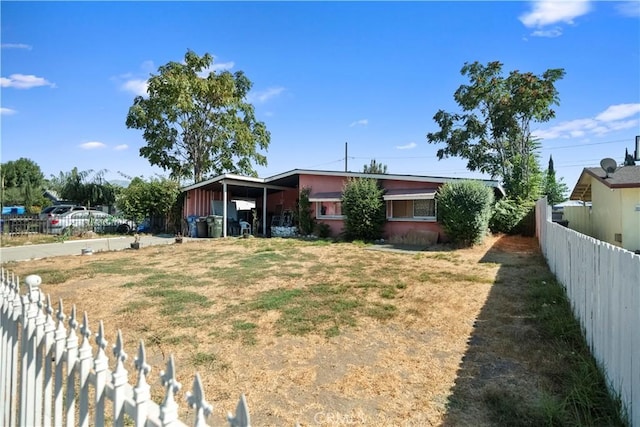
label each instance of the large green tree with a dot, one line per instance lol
(555, 189)
(88, 188)
(21, 183)
(195, 125)
(154, 198)
(375, 167)
(492, 132)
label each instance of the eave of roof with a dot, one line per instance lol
(262, 181)
(622, 177)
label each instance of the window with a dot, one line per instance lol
(411, 205)
(424, 208)
(328, 209)
(328, 205)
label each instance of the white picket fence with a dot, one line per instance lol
(48, 378)
(602, 282)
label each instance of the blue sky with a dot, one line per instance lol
(372, 74)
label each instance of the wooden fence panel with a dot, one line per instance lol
(602, 282)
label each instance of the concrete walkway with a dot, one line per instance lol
(75, 247)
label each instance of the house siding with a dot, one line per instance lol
(630, 200)
(198, 202)
(606, 212)
(326, 184)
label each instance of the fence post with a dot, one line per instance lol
(101, 365)
(169, 407)
(49, 355)
(29, 348)
(16, 314)
(8, 349)
(241, 419)
(141, 393)
(60, 337)
(85, 358)
(196, 400)
(39, 345)
(119, 379)
(71, 360)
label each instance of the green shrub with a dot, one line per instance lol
(464, 210)
(506, 215)
(303, 215)
(512, 217)
(363, 208)
(323, 230)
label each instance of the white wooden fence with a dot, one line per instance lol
(602, 282)
(48, 378)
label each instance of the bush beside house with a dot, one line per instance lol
(364, 209)
(464, 210)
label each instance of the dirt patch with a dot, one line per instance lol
(415, 367)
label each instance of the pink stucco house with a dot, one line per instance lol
(410, 200)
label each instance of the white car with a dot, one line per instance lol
(88, 220)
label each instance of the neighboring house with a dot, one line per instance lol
(614, 214)
(410, 199)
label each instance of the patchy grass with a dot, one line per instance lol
(309, 326)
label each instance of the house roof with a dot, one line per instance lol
(290, 180)
(622, 177)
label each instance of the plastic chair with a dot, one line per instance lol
(245, 228)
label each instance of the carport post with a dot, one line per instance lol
(264, 211)
(224, 209)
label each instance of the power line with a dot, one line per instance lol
(327, 163)
(584, 145)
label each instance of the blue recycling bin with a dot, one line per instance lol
(193, 225)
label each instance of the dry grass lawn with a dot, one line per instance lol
(319, 333)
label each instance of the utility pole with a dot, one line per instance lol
(345, 156)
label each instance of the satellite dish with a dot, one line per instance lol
(609, 166)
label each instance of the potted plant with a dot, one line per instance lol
(136, 241)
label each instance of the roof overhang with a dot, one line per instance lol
(397, 194)
(333, 196)
(241, 187)
(582, 189)
(290, 179)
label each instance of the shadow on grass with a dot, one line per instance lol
(526, 363)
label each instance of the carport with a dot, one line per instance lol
(228, 187)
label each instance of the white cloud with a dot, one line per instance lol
(408, 146)
(610, 120)
(92, 145)
(629, 8)
(551, 33)
(626, 124)
(216, 67)
(264, 95)
(547, 12)
(618, 112)
(361, 122)
(222, 66)
(136, 86)
(121, 147)
(24, 81)
(7, 111)
(16, 46)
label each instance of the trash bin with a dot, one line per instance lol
(202, 227)
(193, 229)
(214, 223)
